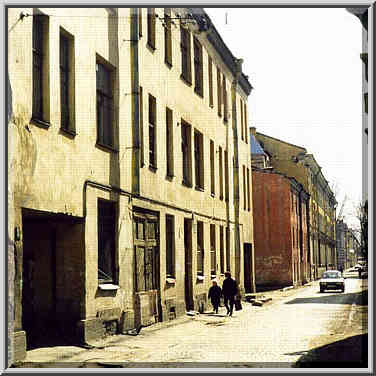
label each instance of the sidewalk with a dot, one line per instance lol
(126, 349)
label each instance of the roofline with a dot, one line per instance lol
(292, 180)
(285, 142)
(220, 46)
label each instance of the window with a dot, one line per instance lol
(219, 92)
(220, 174)
(198, 65)
(213, 256)
(244, 190)
(151, 28)
(245, 123)
(106, 241)
(221, 250)
(248, 190)
(227, 180)
(241, 119)
(224, 91)
(170, 246)
(199, 159)
(141, 119)
(105, 105)
(212, 169)
(140, 22)
(210, 73)
(152, 131)
(66, 82)
(186, 153)
(167, 34)
(228, 262)
(200, 248)
(169, 143)
(185, 36)
(40, 69)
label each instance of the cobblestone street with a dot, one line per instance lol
(278, 334)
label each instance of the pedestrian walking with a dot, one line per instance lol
(229, 290)
(215, 295)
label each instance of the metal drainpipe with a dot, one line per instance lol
(135, 89)
(236, 168)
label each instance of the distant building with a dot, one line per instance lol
(294, 161)
(281, 222)
(348, 246)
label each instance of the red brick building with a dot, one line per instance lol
(281, 223)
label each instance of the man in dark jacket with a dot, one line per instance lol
(229, 290)
(215, 295)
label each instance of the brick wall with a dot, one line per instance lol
(272, 229)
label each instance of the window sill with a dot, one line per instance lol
(168, 64)
(40, 123)
(199, 189)
(150, 47)
(170, 177)
(170, 280)
(212, 195)
(213, 276)
(106, 147)
(153, 168)
(108, 286)
(185, 80)
(200, 279)
(211, 105)
(201, 95)
(187, 184)
(68, 132)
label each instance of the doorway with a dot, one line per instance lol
(148, 308)
(188, 264)
(248, 267)
(51, 278)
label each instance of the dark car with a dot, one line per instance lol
(332, 280)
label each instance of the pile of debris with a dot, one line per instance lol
(257, 300)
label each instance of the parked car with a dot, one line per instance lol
(332, 280)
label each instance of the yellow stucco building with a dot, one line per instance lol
(128, 181)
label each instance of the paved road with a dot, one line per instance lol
(290, 328)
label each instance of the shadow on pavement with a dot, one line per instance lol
(358, 298)
(350, 352)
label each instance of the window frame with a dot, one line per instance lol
(186, 144)
(110, 206)
(185, 47)
(200, 249)
(169, 143)
(68, 72)
(40, 70)
(199, 159)
(105, 97)
(152, 127)
(198, 67)
(151, 15)
(168, 36)
(170, 248)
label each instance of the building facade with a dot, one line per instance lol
(348, 246)
(281, 222)
(294, 161)
(129, 186)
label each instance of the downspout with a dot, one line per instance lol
(238, 71)
(135, 89)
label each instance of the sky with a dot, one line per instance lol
(305, 67)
